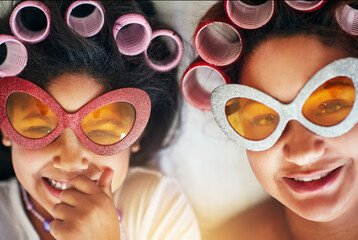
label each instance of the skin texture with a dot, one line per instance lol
(90, 178)
(280, 67)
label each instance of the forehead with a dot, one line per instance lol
(73, 91)
(281, 66)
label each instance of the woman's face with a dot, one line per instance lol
(313, 176)
(65, 157)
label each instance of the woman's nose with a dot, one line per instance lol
(301, 146)
(71, 155)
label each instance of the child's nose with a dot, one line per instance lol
(301, 146)
(72, 153)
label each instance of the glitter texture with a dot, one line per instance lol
(344, 67)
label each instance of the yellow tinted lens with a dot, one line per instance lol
(329, 104)
(251, 119)
(29, 116)
(109, 124)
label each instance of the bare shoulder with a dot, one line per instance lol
(263, 221)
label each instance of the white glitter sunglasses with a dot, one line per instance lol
(325, 105)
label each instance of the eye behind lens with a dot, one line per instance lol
(109, 124)
(29, 116)
(331, 102)
(251, 119)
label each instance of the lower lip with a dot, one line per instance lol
(313, 186)
(54, 192)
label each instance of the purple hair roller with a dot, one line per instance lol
(218, 43)
(30, 21)
(176, 49)
(85, 17)
(132, 34)
(305, 5)
(13, 56)
(347, 18)
(249, 16)
(198, 81)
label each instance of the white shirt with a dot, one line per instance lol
(153, 208)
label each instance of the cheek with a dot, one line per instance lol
(264, 164)
(346, 145)
(27, 163)
(119, 164)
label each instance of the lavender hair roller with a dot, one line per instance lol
(132, 34)
(175, 47)
(198, 81)
(347, 18)
(249, 16)
(85, 17)
(13, 56)
(30, 21)
(218, 43)
(305, 5)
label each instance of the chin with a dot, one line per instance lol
(320, 213)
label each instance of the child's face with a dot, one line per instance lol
(65, 157)
(280, 67)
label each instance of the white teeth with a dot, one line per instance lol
(57, 185)
(311, 179)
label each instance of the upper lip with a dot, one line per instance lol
(67, 179)
(309, 174)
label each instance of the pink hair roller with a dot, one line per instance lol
(30, 21)
(85, 17)
(249, 16)
(132, 34)
(174, 58)
(198, 81)
(347, 18)
(13, 56)
(218, 43)
(304, 5)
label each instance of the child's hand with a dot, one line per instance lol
(86, 210)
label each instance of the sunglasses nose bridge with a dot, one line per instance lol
(71, 120)
(289, 112)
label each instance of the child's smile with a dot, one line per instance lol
(312, 175)
(45, 172)
(312, 182)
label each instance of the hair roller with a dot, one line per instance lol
(132, 34)
(347, 18)
(218, 43)
(13, 56)
(198, 81)
(249, 16)
(172, 59)
(85, 17)
(305, 5)
(30, 21)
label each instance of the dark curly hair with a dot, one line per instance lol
(64, 51)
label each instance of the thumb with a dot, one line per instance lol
(105, 181)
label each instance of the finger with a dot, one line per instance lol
(56, 228)
(83, 184)
(105, 181)
(72, 197)
(62, 211)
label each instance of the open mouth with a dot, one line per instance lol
(313, 184)
(55, 184)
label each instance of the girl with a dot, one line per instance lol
(293, 106)
(75, 117)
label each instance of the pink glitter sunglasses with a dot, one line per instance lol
(112, 122)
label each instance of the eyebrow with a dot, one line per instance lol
(36, 115)
(337, 82)
(104, 121)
